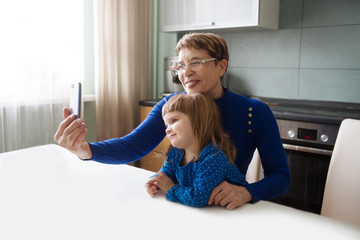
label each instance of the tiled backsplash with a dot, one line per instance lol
(314, 55)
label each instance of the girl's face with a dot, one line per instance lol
(180, 132)
(207, 80)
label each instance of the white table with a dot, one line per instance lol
(46, 192)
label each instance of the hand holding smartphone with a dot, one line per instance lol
(75, 99)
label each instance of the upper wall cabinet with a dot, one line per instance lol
(192, 15)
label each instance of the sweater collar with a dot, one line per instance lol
(225, 99)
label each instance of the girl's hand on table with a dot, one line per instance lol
(151, 188)
(159, 182)
(163, 182)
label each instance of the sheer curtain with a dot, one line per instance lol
(124, 64)
(41, 53)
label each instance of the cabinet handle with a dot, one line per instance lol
(205, 24)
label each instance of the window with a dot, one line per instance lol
(41, 48)
(41, 54)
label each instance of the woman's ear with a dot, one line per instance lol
(222, 66)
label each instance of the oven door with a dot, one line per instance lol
(308, 167)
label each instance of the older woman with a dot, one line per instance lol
(203, 61)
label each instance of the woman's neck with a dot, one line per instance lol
(217, 92)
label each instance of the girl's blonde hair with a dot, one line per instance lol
(205, 119)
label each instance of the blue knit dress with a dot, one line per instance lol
(195, 181)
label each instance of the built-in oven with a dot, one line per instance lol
(308, 130)
(308, 147)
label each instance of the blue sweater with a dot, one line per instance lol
(195, 181)
(250, 124)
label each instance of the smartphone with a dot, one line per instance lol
(75, 99)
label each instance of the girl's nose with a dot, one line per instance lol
(168, 129)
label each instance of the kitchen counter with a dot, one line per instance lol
(149, 103)
(313, 111)
(49, 193)
(302, 110)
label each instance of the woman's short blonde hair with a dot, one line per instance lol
(205, 119)
(214, 44)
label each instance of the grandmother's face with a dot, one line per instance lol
(206, 80)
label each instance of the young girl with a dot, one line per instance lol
(201, 154)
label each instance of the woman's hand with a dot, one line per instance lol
(71, 133)
(159, 182)
(229, 196)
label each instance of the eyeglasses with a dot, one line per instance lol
(194, 66)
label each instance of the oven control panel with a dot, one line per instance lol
(308, 132)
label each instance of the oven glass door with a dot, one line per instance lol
(308, 178)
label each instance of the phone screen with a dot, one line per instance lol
(75, 99)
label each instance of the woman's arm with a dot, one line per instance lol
(135, 145)
(277, 175)
(276, 179)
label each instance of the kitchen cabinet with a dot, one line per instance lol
(151, 161)
(192, 15)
